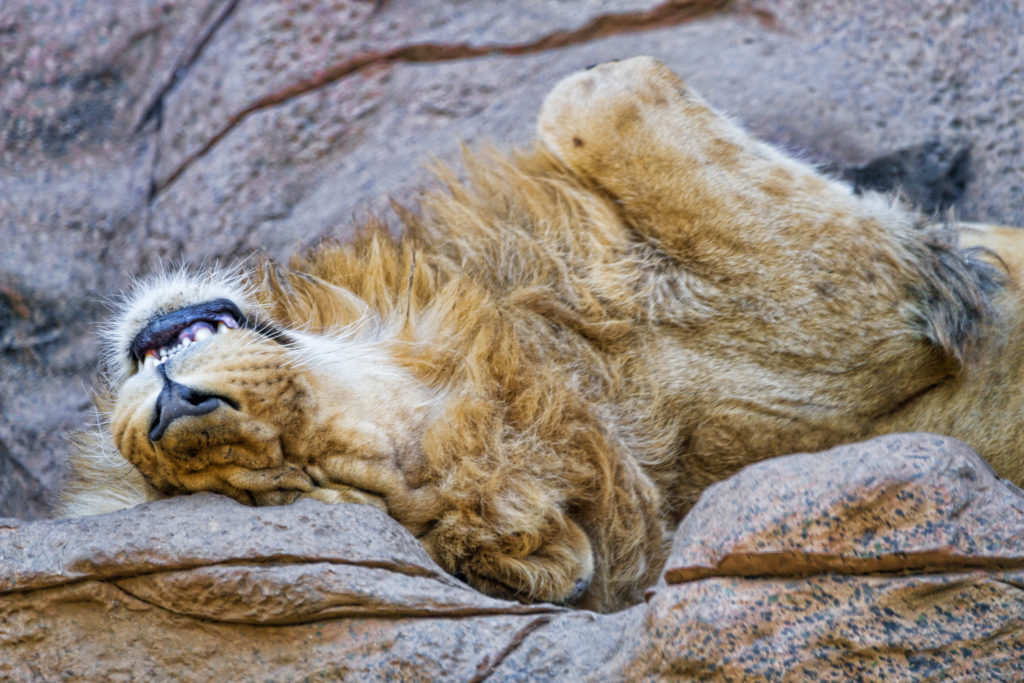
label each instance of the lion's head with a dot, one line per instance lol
(212, 388)
(279, 383)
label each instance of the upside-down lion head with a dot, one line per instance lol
(210, 391)
(275, 384)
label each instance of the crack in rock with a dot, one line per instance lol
(670, 13)
(791, 564)
(489, 665)
(189, 57)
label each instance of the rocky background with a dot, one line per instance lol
(140, 133)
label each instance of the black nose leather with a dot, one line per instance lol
(177, 401)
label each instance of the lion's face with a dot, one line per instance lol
(212, 394)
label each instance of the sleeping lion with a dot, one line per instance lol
(563, 350)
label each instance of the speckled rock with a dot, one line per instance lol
(778, 573)
(832, 627)
(896, 559)
(904, 502)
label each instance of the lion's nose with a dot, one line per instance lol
(176, 401)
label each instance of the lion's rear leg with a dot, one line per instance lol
(984, 404)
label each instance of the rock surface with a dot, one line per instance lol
(895, 559)
(140, 132)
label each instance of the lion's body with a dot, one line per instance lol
(562, 351)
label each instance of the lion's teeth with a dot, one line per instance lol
(227, 321)
(192, 334)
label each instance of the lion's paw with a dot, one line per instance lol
(613, 110)
(559, 571)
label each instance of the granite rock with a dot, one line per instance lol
(904, 502)
(894, 559)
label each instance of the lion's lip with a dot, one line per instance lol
(174, 332)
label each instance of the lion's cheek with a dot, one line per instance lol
(225, 437)
(226, 451)
(349, 453)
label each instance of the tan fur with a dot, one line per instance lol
(561, 352)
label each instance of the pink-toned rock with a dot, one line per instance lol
(905, 502)
(893, 559)
(204, 588)
(962, 626)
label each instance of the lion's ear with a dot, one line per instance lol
(295, 297)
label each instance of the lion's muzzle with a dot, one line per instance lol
(177, 401)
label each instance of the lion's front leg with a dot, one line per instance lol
(686, 177)
(834, 309)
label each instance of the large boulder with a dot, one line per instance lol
(895, 559)
(136, 133)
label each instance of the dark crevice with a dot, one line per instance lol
(667, 14)
(151, 190)
(155, 107)
(354, 611)
(789, 565)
